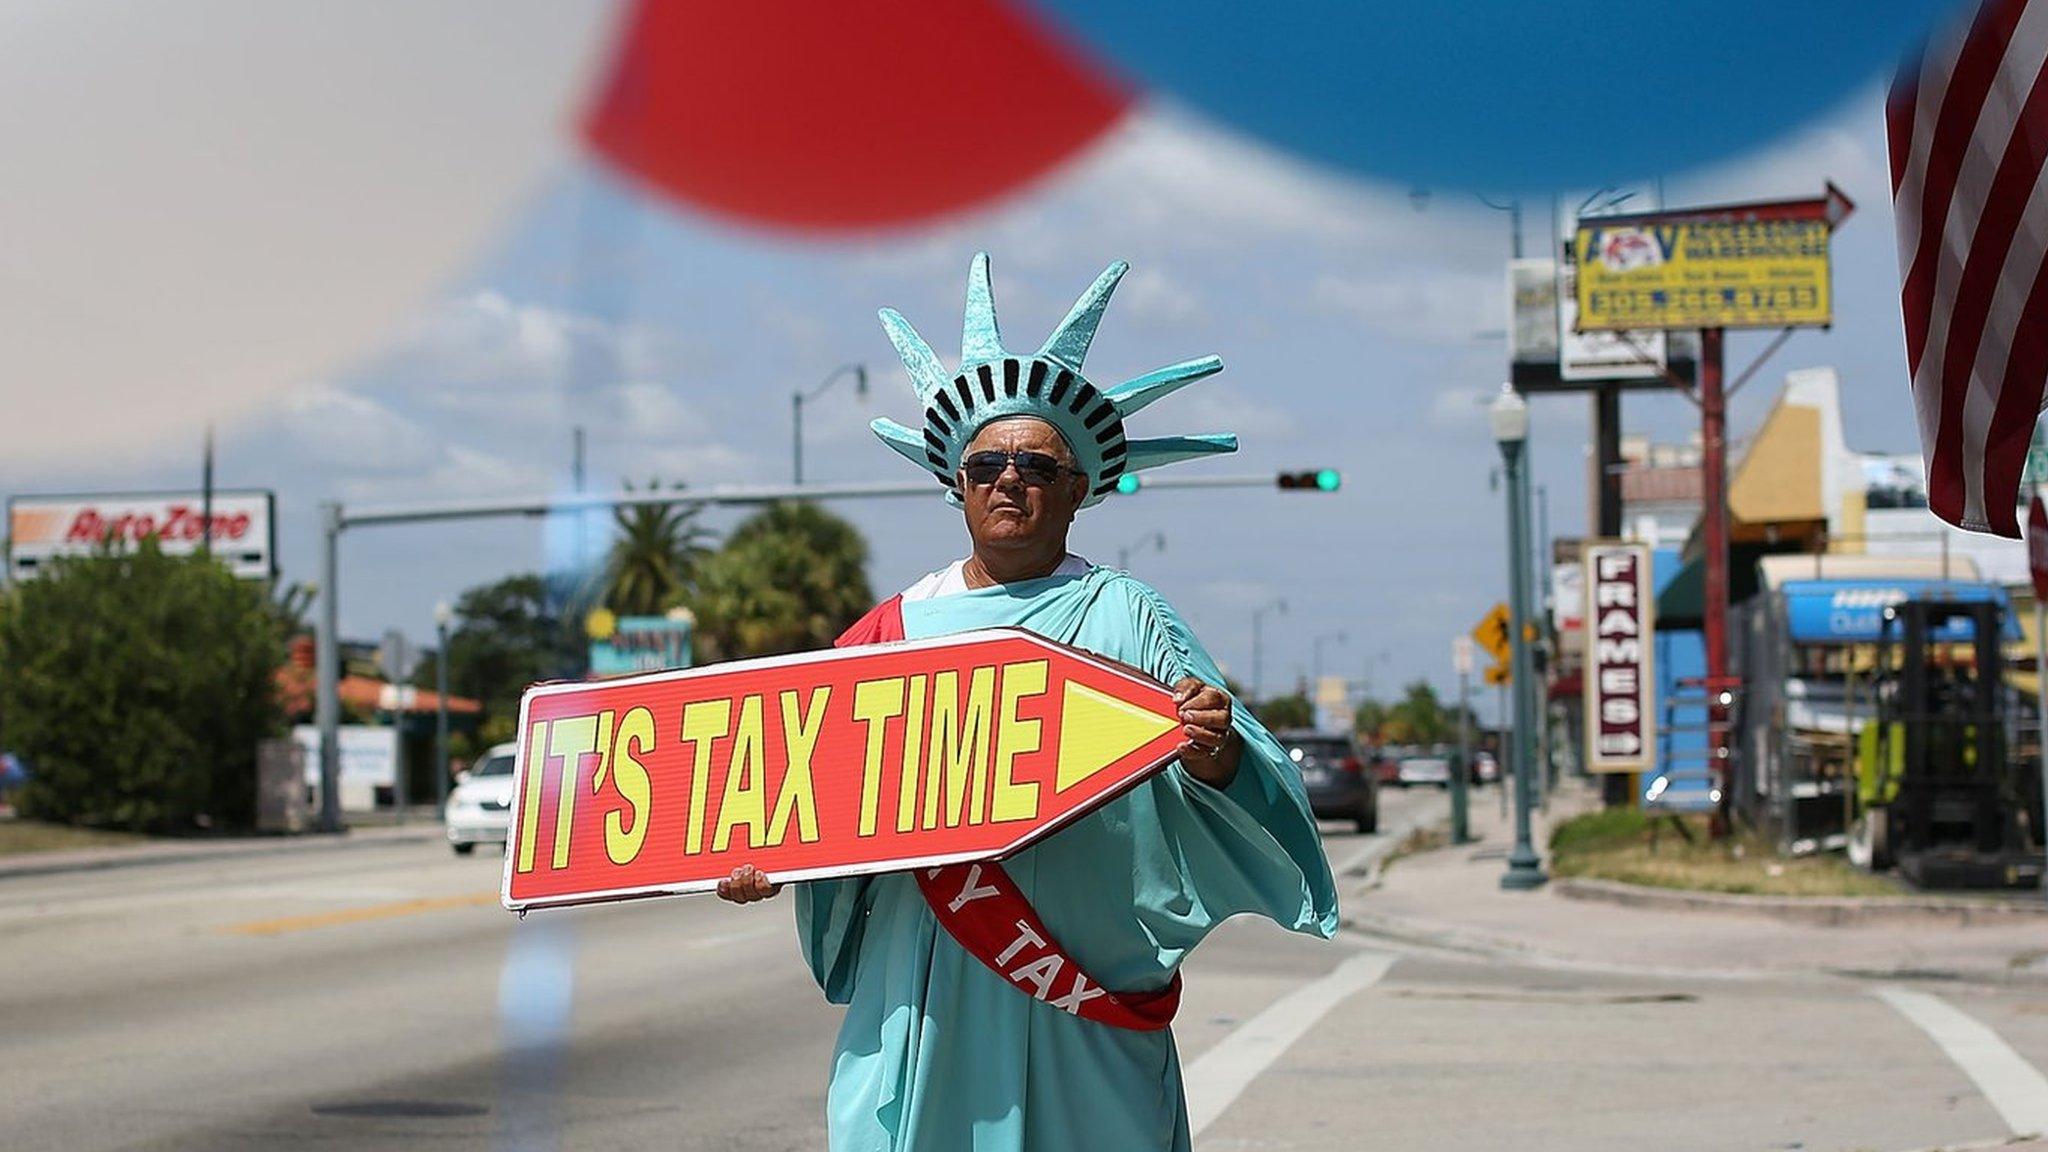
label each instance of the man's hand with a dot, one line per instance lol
(1208, 749)
(746, 885)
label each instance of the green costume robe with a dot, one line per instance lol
(939, 1054)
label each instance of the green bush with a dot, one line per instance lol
(136, 685)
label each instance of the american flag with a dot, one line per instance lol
(1968, 132)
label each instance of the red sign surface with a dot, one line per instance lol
(2037, 548)
(836, 763)
(1620, 629)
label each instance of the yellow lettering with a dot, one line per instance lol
(874, 702)
(703, 722)
(572, 739)
(742, 806)
(959, 747)
(629, 776)
(536, 752)
(799, 740)
(913, 754)
(1015, 736)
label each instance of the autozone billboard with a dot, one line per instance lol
(41, 528)
(1620, 630)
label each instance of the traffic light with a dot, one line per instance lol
(1127, 483)
(1317, 480)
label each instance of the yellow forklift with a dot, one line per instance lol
(1939, 795)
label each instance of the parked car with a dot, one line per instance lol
(480, 806)
(1333, 771)
(1421, 767)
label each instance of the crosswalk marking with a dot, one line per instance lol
(2014, 1087)
(1215, 1080)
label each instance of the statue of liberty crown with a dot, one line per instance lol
(993, 383)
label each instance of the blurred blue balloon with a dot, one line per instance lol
(1511, 95)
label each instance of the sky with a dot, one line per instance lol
(1361, 328)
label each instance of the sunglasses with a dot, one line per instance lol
(1034, 468)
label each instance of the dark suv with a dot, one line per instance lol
(1339, 786)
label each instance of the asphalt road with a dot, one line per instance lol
(374, 998)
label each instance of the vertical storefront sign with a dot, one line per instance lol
(1620, 688)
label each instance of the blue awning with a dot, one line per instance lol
(1852, 611)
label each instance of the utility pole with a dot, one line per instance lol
(1258, 624)
(576, 476)
(1714, 542)
(443, 616)
(1461, 659)
(206, 497)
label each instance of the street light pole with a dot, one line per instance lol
(443, 616)
(1258, 651)
(1123, 554)
(796, 412)
(327, 650)
(1510, 416)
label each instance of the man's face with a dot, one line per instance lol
(1014, 511)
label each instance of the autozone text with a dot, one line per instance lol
(180, 522)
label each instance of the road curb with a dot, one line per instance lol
(1825, 911)
(33, 864)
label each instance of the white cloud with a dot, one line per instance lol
(354, 433)
(1430, 305)
(1151, 295)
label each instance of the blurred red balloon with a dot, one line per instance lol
(856, 116)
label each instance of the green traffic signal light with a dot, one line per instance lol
(1127, 483)
(1320, 480)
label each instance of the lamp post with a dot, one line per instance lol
(443, 616)
(796, 412)
(1123, 554)
(1258, 651)
(1316, 646)
(1510, 416)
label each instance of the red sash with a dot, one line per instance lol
(985, 912)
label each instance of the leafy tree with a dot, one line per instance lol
(137, 688)
(508, 635)
(1370, 720)
(789, 578)
(653, 563)
(1290, 711)
(1419, 717)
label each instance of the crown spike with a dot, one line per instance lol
(1069, 342)
(927, 375)
(1135, 394)
(907, 442)
(1155, 452)
(980, 341)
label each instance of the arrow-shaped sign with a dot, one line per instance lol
(824, 764)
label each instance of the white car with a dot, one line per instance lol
(480, 807)
(1423, 770)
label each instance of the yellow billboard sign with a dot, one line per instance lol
(1746, 266)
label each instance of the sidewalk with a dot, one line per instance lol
(419, 828)
(1451, 898)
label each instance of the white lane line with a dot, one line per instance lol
(1216, 1080)
(2014, 1087)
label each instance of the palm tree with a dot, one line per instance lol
(653, 563)
(790, 578)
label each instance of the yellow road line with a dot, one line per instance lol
(396, 908)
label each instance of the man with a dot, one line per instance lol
(1021, 1007)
